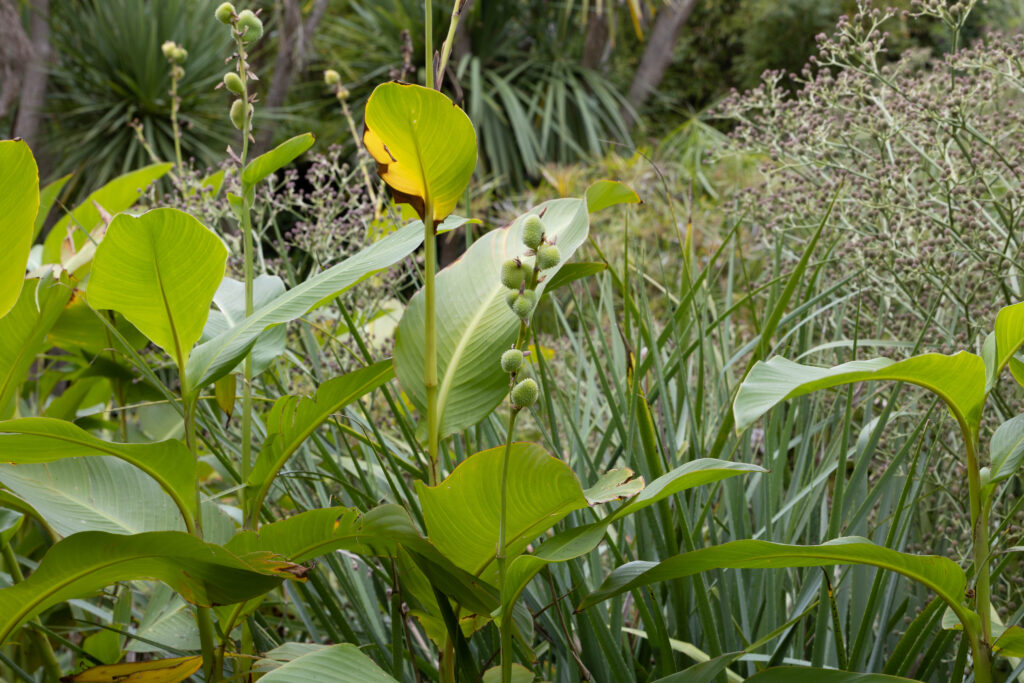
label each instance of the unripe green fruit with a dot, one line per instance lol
(331, 77)
(512, 360)
(249, 25)
(180, 55)
(233, 83)
(168, 49)
(548, 257)
(510, 298)
(239, 109)
(525, 393)
(512, 273)
(225, 12)
(533, 232)
(523, 305)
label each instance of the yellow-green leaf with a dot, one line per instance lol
(155, 671)
(160, 271)
(19, 202)
(424, 145)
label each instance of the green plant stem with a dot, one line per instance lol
(430, 342)
(50, 663)
(361, 155)
(247, 258)
(428, 40)
(446, 48)
(211, 672)
(981, 643)
(175, 104)
(499, 555)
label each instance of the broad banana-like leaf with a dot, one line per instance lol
(959, 380)
(310, 663)
(202, 573)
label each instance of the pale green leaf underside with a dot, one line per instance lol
(160, 271)
(940, 574)
(325, 664)
(41, 440)
(958, 379)
(19, 202)
(214, 359)
(475, 324)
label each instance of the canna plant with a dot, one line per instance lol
(963, 381)
(121, 295)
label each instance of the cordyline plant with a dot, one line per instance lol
(106, 283)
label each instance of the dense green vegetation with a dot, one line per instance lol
(488, 352)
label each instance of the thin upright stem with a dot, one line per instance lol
(446, 49)
(430, 343)
(247, 266)
(499, 555)
(981, 643)
(175, 104)
(428, 39)
(42, 644)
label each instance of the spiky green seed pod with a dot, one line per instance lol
(239, 109)
(249, 25)
(548, 257)
(512, 360)
(233, 83)
(524, 303)
(225, 12)
(512, 273)
(533, 232)
(180, 55)
(525, 393)
(510, 298)
(168, 49)
(332, 77)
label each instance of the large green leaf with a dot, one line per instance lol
(213, 359)
(78, 327)
(581, 540)
(230, 311)
(277, 158)
(19, 203)
(959, 380)
(160, 271)
(47, 198)
(293, 419)
(310, 663)
(474, 323)
(202, 573)
(23, 334)
(797, 674)
(40, 440)
(940, 574)
(462, 512)
(424, 145)
(116, 196)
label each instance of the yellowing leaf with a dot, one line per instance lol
(158, 671)
(424, 145)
